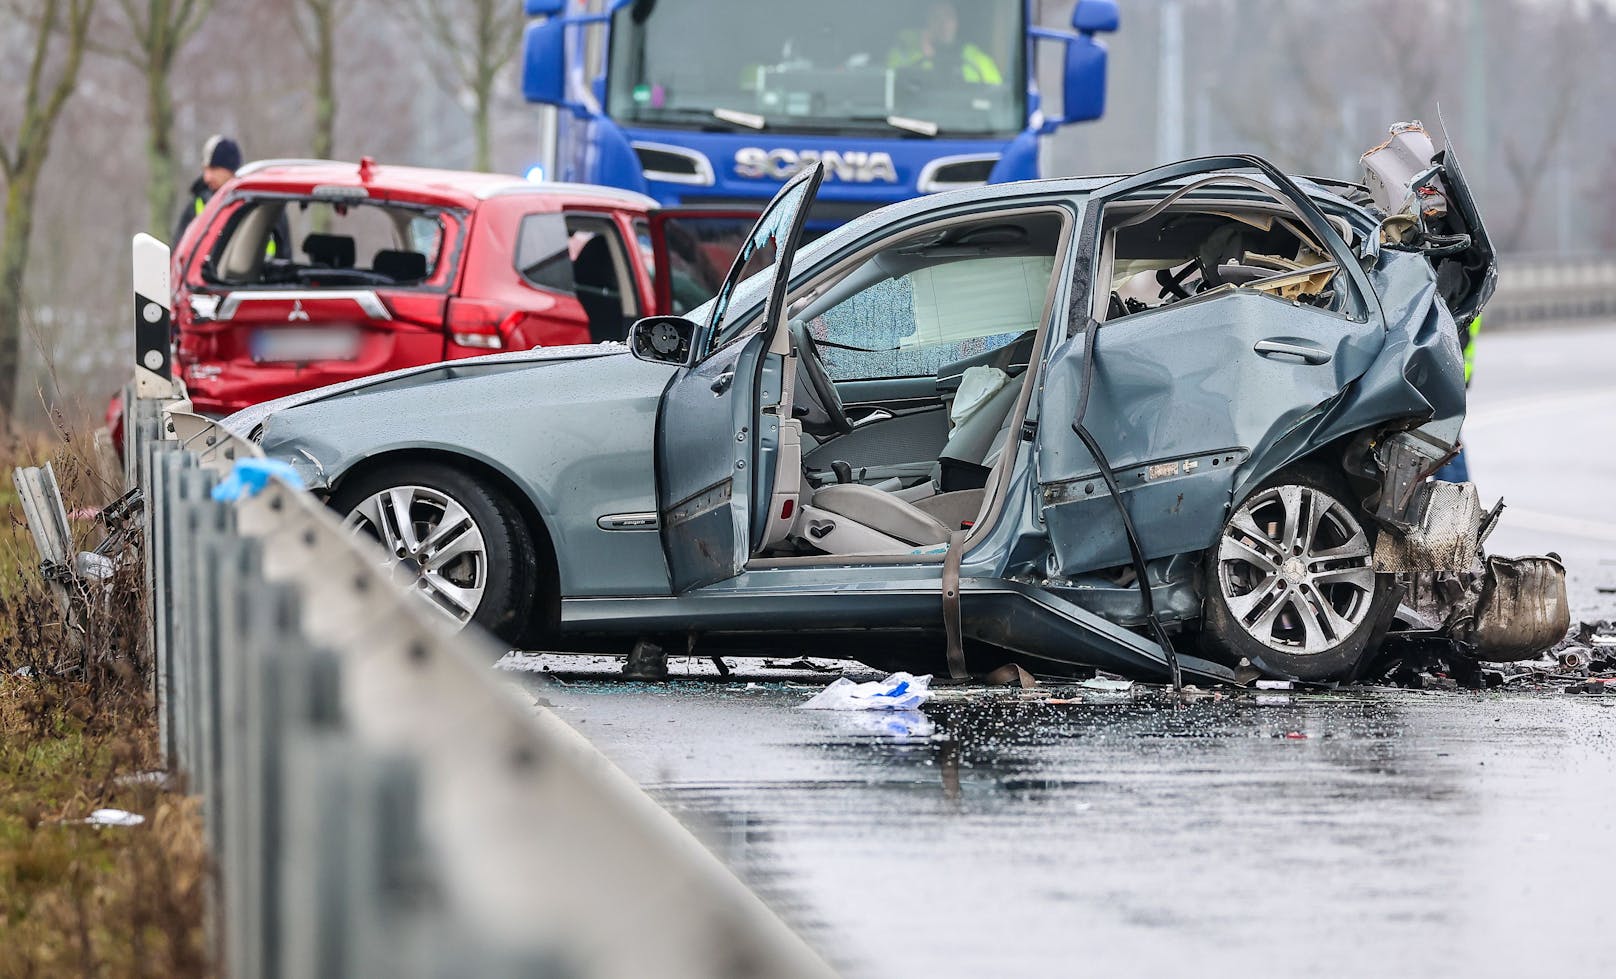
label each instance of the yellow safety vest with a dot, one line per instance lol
(201, 205)
(1471, 332)
(975, 64)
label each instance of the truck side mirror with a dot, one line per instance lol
(1083, 91)
(1088, 17)
(662, 339)
(544, 60)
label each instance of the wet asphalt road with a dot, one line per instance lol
(1365, 833)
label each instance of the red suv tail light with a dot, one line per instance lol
(479, 324)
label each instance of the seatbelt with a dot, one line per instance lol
(951, 605)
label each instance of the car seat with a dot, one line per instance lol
(330, 251)
(594, 277)
(400, 266)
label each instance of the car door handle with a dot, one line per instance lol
(1283, 347)
(722, 382)
(878, 415)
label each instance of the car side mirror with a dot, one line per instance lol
(662, 339)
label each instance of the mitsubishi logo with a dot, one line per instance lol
(297, 313)
(852, 166)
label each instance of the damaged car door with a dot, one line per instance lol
(1226, 313)
(716, 446)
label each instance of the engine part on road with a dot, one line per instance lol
(1522, 611)
(1574, 658)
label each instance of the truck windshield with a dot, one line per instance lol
(954, 67)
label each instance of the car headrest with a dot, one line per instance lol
(332, 251)
(400, 266)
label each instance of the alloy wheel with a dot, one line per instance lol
(433, 541)
(1296, 569)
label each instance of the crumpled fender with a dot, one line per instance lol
(1417, 378)
(1419, 374)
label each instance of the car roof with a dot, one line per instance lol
(1045, 188)
(1337, 194)
(422, 185)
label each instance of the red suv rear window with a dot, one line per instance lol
(312, 244)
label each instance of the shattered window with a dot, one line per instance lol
(759, 255)
(1196, 252)
(912, 325)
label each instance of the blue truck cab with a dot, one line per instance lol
(710, 103)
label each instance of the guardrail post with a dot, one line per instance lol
(198, 626)
(376, 802)
(163, 503)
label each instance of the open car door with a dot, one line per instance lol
(718, 431)
(693, 250)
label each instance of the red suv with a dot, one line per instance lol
(305, 273)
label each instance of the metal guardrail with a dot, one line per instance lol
(1535, 289)
(378, 803)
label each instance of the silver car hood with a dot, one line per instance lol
(245, 421)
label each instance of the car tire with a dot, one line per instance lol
(1290, 587)
(490, 565)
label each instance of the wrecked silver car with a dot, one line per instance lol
(1178, 423)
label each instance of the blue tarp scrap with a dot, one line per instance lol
(250, 476)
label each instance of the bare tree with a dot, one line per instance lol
(1542, 102)
(472, 47)
(316, 23)
(59, 35)
(157, 29)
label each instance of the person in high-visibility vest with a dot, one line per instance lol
(936, 47)
(221, 158)
(1467, 340)
(1457, 470)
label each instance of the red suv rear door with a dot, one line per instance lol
(692, 251)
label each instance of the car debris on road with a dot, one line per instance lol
(900, 691)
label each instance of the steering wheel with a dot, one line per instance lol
(816, 391)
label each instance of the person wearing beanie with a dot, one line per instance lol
(221, 158)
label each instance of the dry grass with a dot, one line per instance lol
(78, 733)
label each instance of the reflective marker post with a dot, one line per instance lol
(154, 346)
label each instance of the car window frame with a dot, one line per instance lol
(1341, 257)
(445, 271)
(811, 178)
(623, 262)
(1304, 205)
(1072, 209)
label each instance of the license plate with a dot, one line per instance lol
(302, 346)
